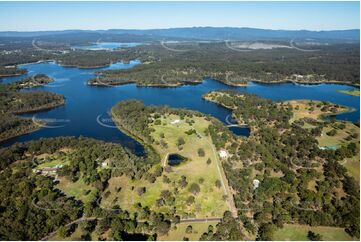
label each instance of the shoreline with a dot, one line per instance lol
(225, 83)
(308, 82)
(148, 149)
(30, 130)
(349, 92)
(353, 84)
(12, 75)
(41, 108)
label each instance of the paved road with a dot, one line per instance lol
(195, 220)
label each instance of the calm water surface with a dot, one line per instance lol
(106, 46)
(175, 159)
(86, 107)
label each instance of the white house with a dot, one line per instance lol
(255, 183)
(223, 154)
(175, 121)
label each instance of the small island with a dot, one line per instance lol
(354, 92)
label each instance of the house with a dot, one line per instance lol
(175, 121)
(48, 171)
(223, 154)
(104, 164)
(255, 183)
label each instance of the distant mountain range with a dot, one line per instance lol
(205, 33)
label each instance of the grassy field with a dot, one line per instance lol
(339, 138)
(312, 109)
(51, 160)
(353, 166)
(178, 233)
(78, 189)
(299, 233)
(355, 92)
(208, 202)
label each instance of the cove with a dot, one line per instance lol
(240, 131)
(86, 108)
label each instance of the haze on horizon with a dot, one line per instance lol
(43, 16)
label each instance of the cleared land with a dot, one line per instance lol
(353, 166)
(78, 189)
(208, 202)
(299, 233)
(313, 109)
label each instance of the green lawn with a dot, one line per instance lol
(78, 189)
(340, 138)
(299, 233)
(353, 166)
(178, 233)
(208, 202)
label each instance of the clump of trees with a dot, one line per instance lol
(227, 229)
(194, 188)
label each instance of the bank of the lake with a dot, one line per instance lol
(85, 103)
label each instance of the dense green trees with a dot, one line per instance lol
(227, 229)
(216, 61)
(11, 71)
(194, 188)
(314, 236)
(30, 206)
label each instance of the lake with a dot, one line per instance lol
(86, 107)
(175, 159)
(105, 46)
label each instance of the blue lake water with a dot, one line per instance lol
(86, 107)
(106, 46)
(175, 159)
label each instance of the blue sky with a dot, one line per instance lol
(30, 16)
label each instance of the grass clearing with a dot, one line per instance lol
(353, 166)
(296, 232)
(52, 160)
(178, 233)
(313, 109)
(208, 202)
(342, 136)
(78, 189)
